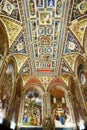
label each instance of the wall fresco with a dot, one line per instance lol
(6, 90)
(32, 115)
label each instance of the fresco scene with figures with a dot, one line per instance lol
(32, 109)
(43, 64)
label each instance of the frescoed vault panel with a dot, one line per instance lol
(70, 59)
(13, 28)
(10, 8)
(71, 45)
(64, 68)
(79, 9)
(78, 28)
(20, 59)
(26, 68)
(44, 20)
(19, 46)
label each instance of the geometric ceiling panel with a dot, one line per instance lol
(71, 45)
(44, 19)
(65, 68)
(10, 8)
(79, 9)
(70, 59)
(19, 46)
(25, 68)
(78, 28)
(13, 28)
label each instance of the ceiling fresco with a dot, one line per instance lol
(71, 45)
(65, 68)
(10, 8)
(70, 59)
(79, 9)
(44, 22)
(78, 28)
(20, 46)
(45, 36)
(25, 78)
(13, 28)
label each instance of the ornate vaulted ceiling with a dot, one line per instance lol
(45, 36)
(44, 20)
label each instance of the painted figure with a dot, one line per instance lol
(39, 3)
(45, 18)
(32, 7)
(62, 119)
(25, 119)
(58, 7)
(50, 3)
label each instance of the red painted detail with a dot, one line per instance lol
(33, 81)
(57, 80)
(45, 70)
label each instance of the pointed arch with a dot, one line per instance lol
(78, 63)
(57, 82)
(11, 60)
(34, 82)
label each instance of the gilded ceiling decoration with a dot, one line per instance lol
(20, 59)
(10, 8)
(65, 68)
(3, 39)
(13, 29)
(65, 78)
(44, 19)
(45, 79)
(71, 45)
(25, 78)
(70, 59)
(78, 28)
(19, 46)
(26, 68)
(79, 9)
